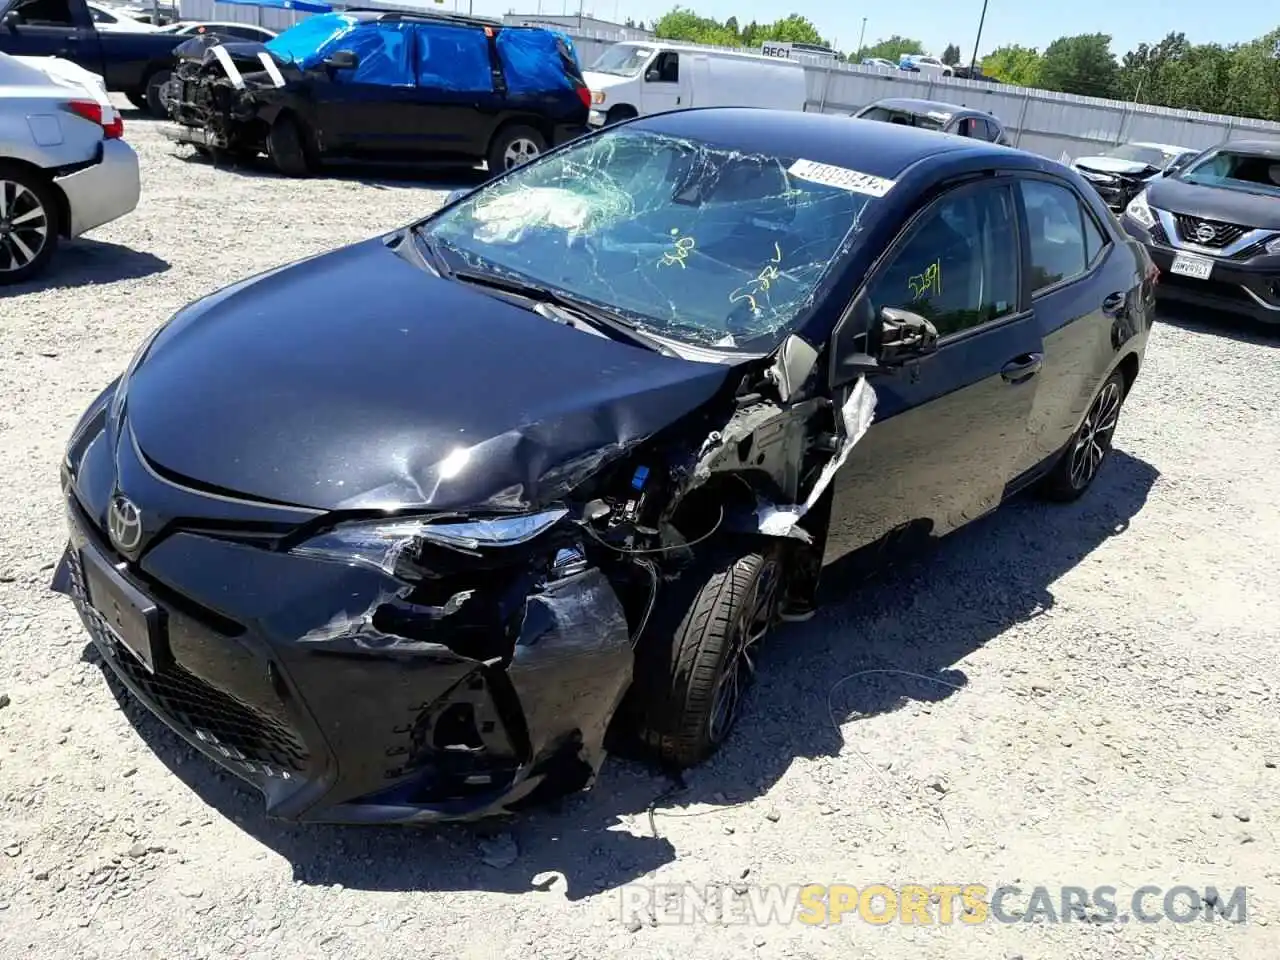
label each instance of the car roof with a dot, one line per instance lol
(909, 105)
(426, 16)
(880, 149)
(1264, 148)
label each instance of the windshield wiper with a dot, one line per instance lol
(571, 307)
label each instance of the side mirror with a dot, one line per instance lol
(342, 60)
(903, 336)
(455, 195)
(12, 19)
(653, 76)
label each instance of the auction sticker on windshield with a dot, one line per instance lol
(832, 176)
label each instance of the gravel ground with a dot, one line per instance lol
(1108, 712)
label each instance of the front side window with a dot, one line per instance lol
(688, 239)
(1063, 238)
(383, 50)
(666, 68)
(52, 13)
(958, 267)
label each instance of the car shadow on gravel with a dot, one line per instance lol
(371, 175)
(894, 639)
(1219, 323)
(83, 262)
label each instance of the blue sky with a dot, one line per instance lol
(939, 22)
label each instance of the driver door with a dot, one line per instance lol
(368, 111)
(950, 428)
(662, 83)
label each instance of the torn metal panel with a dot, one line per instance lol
(856, 415)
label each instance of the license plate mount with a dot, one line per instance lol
(134, 621)
(1186, 265)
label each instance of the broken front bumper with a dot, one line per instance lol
(324, 710)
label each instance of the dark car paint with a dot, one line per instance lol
(1233, 276)
(378, 122)
(312, 370)
(124, 60)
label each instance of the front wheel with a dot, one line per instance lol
(689, 689)
(287, 148)
(28, 223)
(1087, 450)
(514, 146)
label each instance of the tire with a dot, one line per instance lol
(687, 691)
(287, 148)
(32, 223)
(155, 82)
(618, 114)
(513, 146)
(1087, 450)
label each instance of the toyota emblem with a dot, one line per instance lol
(124, 523)
(1205, 232)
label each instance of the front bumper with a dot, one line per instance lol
(105, 191)
(1245, 287)
(296, 695)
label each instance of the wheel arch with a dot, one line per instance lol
(64, 207)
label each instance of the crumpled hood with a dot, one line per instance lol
(344, 381)
(1215, 203)
(1128, 168)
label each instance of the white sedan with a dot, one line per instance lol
(64, 167)
(231, 31)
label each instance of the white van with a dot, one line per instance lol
(636, 77)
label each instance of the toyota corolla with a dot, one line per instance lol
(403, 531)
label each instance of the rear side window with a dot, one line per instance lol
(453, 58)
(537, 61)
(1063, 237)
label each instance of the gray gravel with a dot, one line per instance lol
(1109, 711)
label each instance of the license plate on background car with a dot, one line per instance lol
(1188, 266)
(130, 617)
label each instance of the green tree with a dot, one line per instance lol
(1082, 65)
(1016, 65)
(951, 55)
(732, 25)
(892, 49)
(792, 28)
(682, 23)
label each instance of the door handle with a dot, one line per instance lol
(1113, 304)
(1022, 368)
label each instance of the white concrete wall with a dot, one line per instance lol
(1051, 124)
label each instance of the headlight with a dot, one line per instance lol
(1139, 211)
(597, 96)
(381, 545)
(1273, 245)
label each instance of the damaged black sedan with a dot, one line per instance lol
(405, 531)
(380, 87)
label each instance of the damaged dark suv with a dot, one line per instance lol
(403, 531)
(380, 87)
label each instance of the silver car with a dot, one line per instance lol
(64, 167)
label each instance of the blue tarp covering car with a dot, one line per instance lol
(439, 54)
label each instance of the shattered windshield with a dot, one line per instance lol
(683, 238)
(1237, 171)
(1151, 156)
(622, 61)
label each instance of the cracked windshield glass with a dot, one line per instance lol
(680, 238)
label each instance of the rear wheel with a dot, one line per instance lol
(689, 689)
(514, 146)
(155, 84)
(1078, 467)
(287, 147)
(28, 223)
